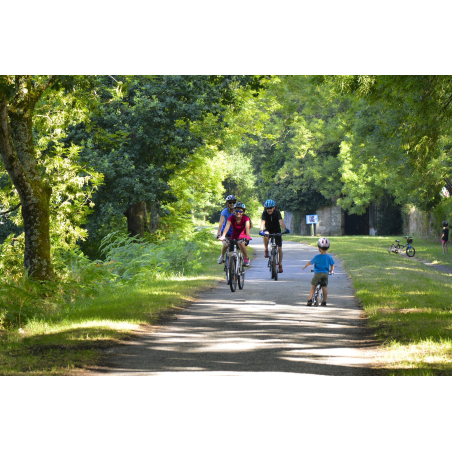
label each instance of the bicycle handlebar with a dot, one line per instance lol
(235, 240)
(275, 234)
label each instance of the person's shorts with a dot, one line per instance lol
(321, 278)
(444, 241)
(278, 240)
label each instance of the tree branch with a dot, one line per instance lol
(10, 210)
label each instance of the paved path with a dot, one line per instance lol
(266, 327)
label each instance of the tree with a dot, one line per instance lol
(400, 135)
(18, 98)
(51, 179)
(295, 152)
(140, 140)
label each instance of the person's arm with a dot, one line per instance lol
(220, 225)
(247, 228)
(332, 269)
(283, 226)
(226, 229)
(309, 263)
(262, 225)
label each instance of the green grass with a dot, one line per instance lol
(71, 340)
(407, 303)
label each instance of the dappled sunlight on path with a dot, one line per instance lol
(266, 327)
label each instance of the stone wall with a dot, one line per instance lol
(421, 224)
(331, 222)
(288, 220)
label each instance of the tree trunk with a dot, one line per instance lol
(18, 156)
(154, 217)
(137, 219)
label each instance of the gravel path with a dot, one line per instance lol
(266, 327)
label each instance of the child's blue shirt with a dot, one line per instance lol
(322, 263)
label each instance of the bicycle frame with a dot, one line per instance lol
(226, 262)
(317, 298)
(273, 257)
(398, 248)
(236, 267)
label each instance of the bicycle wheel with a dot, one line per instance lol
(232, 273)
(410, 251)
(241, 274)
(276, 265)
(318, 296)
(273, 264)
(226, 269)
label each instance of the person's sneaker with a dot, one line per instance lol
(309, 303)
(323, 303)
(266, 253)
(280, 269)
(220, 259)
(246, 261)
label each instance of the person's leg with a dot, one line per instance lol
(278, 242)
(325, 293)
(309, 303)
(266, 239)
(243, 250)
(443, 244)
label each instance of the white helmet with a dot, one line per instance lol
(323, 242)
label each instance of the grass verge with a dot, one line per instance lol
(71, 342)
(408, 303)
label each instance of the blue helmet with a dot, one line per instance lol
(269, 203)
(231, 198)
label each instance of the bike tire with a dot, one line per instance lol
(277, 265)
(410, 252)
(318, 297)
(232, 274)
(226, 269)
(241, 275)
(273, 264)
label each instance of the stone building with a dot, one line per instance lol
(334, 221)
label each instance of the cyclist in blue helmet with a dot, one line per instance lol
(272, 223)
(225, 214)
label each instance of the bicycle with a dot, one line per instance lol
(235, 274)
(273, 257)
(226, 263)
(398, 248)
(317, 298)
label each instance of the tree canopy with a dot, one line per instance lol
(83, 156)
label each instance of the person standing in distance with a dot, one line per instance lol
(445, 236)
(225, 214)
(272, 223)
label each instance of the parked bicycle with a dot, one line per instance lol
(273, 256)
(235, 270)
(398, 248)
